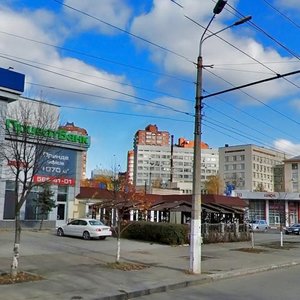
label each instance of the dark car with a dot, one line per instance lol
(294, 229)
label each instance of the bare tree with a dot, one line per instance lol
(30, 128)
(124, 199)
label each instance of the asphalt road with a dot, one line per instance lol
(46, 242)
(276, 285)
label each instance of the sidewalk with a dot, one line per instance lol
(85, 275)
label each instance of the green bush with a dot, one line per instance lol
(163, 233)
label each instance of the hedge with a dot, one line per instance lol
(163, 233)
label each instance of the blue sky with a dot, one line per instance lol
(115, 66)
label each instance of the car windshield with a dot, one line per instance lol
(95, 223)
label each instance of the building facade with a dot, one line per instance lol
(277, 208)
(58, 155)
(158, 166)
(151, 136)
(249, 167)
(70, 127)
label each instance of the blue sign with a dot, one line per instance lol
(229, 189)
(57, 166)
(12, 80)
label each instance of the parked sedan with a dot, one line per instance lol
(258, 225)
(85, 228)
(294, 229)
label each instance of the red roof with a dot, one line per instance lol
(100, 194)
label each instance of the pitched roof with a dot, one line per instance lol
(88, 193)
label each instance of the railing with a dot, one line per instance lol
(223, 232)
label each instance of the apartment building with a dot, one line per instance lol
(152, 136)
(249, 167)
(70, 127)
(160, 165)
(292, 174)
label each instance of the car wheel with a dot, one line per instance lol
(60, 232)
(297, 232)
(102, 237)
(86, 235)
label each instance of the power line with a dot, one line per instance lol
(282, 14)
(93, 95)
(93, 76)
(238, 133)
(257, 119)
(256, 99)
(95, 57)
(124, 113)
(96, 85)
(124, 31)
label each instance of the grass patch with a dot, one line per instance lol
(6, 278)
(251, 250)
(126, 266)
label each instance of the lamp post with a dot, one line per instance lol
(195, 238)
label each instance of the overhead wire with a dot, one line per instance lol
(265, 33)
(258, 100)
(257, 61)
(95, 57)
(97, 85)
(282, 14)
(155, 103)
(257, 119)
(238, 133)
(123, 30)
(96, 77)
(124, 113)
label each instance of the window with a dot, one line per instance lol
(62, 193)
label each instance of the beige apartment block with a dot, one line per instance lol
(249, 167)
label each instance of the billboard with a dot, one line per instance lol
(58, 166)
(12, 80)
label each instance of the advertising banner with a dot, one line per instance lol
(58, 166)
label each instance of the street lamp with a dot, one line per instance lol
(195, 238)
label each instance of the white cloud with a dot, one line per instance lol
(175, 32)
(168, 106)
(288, 3)
(115, 12)
(287, 147)
(295, 103)
(38, 27)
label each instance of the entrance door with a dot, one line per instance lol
(61, 215)
(277, 220)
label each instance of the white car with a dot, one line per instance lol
(85, 228)
(258, 225)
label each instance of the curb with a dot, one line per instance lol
(207, 278)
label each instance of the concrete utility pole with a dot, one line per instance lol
(195, 238)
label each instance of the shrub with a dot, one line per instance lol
(164, 233)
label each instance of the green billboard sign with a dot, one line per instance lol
(59, 134)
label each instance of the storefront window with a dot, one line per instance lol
(257, 209)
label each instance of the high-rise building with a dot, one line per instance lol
(130, 165)
(161, 165)
(151, 136)
(70, 127)
(249, 167)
